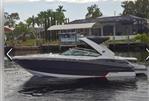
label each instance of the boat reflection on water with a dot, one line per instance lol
(54, 86)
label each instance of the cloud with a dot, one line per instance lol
(34, 0)
(14, 1)
(69, 1)
(88, 1)
(85, 1)
(79, 1)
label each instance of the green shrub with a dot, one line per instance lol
(144, 38)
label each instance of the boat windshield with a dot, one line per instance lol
(81, 52)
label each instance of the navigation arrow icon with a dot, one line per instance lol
(148, 52)
(8, 56)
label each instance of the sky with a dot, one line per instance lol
(75, 9)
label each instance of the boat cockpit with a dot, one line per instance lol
(81, 52)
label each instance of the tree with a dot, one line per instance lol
(6, 16)
(49, 13)
(47, 18)
(137, 8)
(142, 8)
(129, 7)
(60, 17)
(21, 30)
(29, 21)
(42, 19)
(42, 16)
(93, 11)
(11, 18)
(37, 21)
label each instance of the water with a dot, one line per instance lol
(22, 86)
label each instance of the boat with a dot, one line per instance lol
(78, 63)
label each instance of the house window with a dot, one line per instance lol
(108, 30)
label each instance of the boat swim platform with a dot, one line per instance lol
(142, 71)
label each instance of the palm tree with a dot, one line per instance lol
(54, 18)
(32, 21)
(40, 18)
(129, 7)
(90, 12)
(60, 9)
(43, 19)
(29, 21)
(37, 21)
(96, 13)
(51, 19)
(60, 14)
(48, 18)
(93, 12)
(49, 14)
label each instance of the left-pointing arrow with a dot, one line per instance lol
(8, 56)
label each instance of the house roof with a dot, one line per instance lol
(128, 18)
(88, 23)
(8, 29)
(71, 26)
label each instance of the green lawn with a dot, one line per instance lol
(29, 42)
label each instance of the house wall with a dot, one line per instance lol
(53, 35)
(124, 29)
(107, 29)
(126, 26)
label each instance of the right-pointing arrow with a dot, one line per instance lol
(148, 52)
(9, 57)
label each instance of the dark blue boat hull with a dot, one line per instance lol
(75, 67)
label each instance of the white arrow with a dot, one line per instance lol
(148, 56)
(8, 54)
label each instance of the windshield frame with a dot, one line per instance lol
(81, 52)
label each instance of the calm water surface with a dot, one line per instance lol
(22, 86)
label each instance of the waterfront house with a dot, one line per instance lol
(68, 39)
(116, 27)
(7, 29)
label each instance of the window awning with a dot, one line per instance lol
(71, 26)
